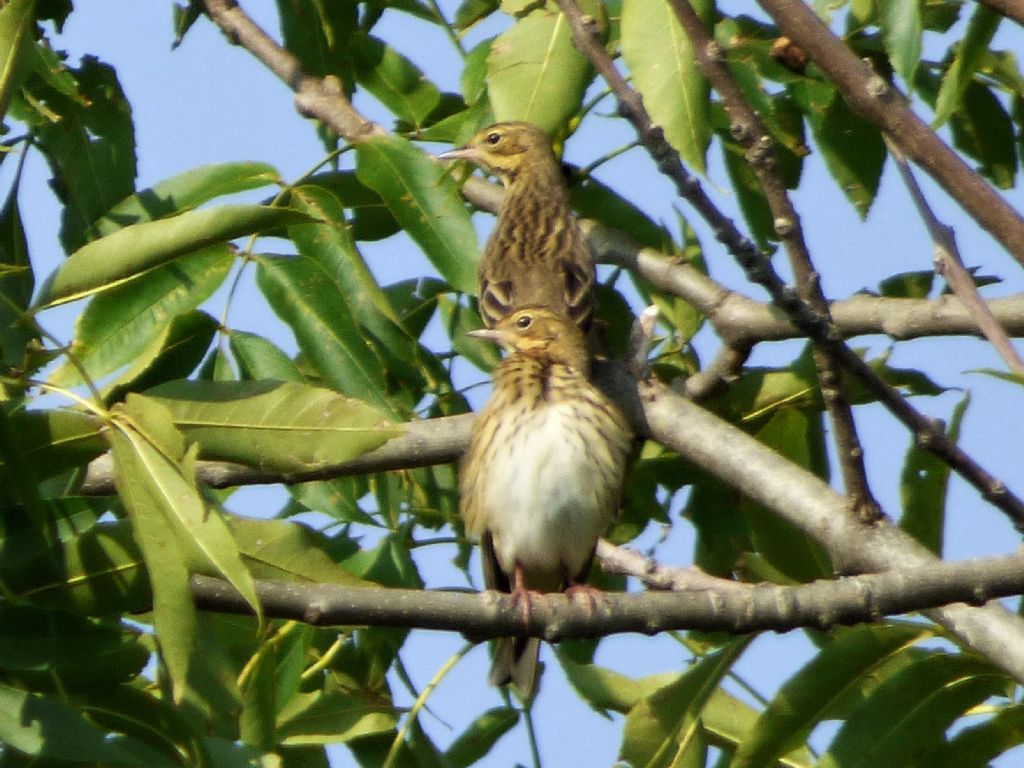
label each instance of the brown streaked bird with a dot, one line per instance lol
(541, 479)
(537, 255)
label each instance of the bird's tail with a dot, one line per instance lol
(515, 662)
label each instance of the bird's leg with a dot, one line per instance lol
(522, 594)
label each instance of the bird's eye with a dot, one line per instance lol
(493, 138)
(524, 322)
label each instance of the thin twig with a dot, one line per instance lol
(927, 432)
(877, 101)
(759, 148)
(949, 264)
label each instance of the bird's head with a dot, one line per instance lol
(539, 332)
(505, 148)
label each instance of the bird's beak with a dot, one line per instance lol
(462, 153)
(488, 334)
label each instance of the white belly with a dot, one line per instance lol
(547, 508)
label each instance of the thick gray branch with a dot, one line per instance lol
(821, 605)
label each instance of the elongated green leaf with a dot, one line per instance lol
(367, 213)
(983, 129)
(321, 718)
(305, 296)
(16, 20)
(38, 643)
(287, 551)
(176, 530)
(127, 253)
(534, 72)
(425, 201)
(121, 324)
(605, 689)
(284, 426)
(88, 137)
(481, 735)
(841, 669)
(174, 355)
(394, 80)
(664, 726)
(46, 727)
(976, 747)
(330, 245)
(970, 52)
(797, 435)
(902, 27)
(52, 441)
(891, 728)
(664, 68)
(923, 487)
(728, 721)
(16, 279)
(184, 192)
(853, 149)
(259, 358)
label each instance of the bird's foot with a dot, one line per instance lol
(592, 595)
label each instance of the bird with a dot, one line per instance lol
(537, 254)
(542, 476)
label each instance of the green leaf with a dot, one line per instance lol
(324, 718)
(44, 645)
(368, 214)
(976, 747)
(119, 325)
(728, 720)
(425, 202)
(53, 441)
(853, 148)
(17, 280)
(902, 27)
(605, 689)
(46, 727)
(259, 358)
(307, 297)
(288, 551)
(664, 69)
(394, 80)
(330, 246)
(797, 435)
(184, 192)
(534, 72)
(101, 571)
(89, 141)
(278, 426)
(480, 736)
(749, 193)
(813, 694)
(663, 727)
(983, 129)
(174, 355)
(594, 200)
(923, 487)
(890, 728)
(16, 24)
(130, 252)
(176, 530)
(969, 54)
(908, 285)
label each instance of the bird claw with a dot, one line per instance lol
(592, 595)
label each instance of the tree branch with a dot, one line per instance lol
(929, 433)
(759, 148)
(949, 264)
(878, 102)
(753, 608)
(320, 98)
(1012, 9)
